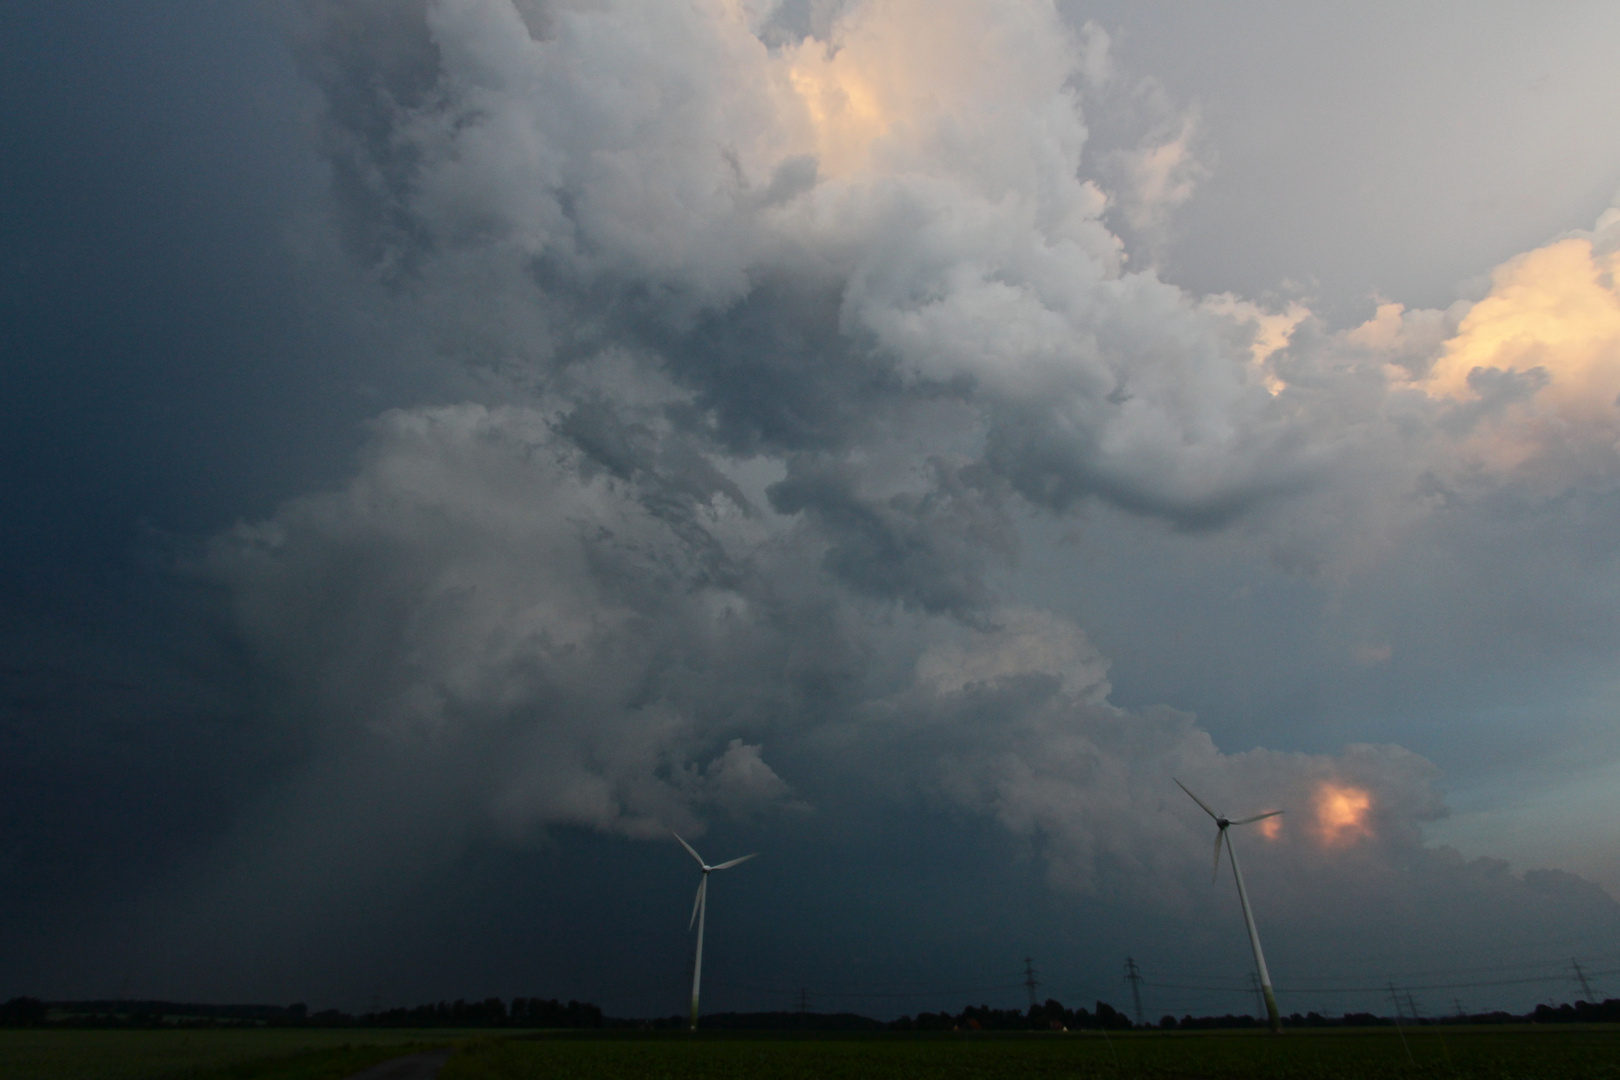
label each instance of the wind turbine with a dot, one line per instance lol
(700, 908)
(1221, 825)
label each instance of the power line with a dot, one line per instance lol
(1516, 945)
(1580, 977)
(873, 994)
(927, 984)
(1396, 998)
(1430, 979)
(1031, 983)
(1134, 977)
(1526, 965)
(1233, 988)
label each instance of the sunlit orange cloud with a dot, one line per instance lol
(1342, 813)
(845, 110)
(1556, 309)
(889, 60)
(1271, 828)
(894, 69)
(1272, 331)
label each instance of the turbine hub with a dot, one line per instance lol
(1221, 822)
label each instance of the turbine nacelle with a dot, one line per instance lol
(703, 885)
(1222, 823)
(699, 909)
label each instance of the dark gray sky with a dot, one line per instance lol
(452, 443)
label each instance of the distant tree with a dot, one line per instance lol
(1201, 1023)
(934, 1022)
(1363, 1019)
(1582, 1012)
(1110, 1017)
(543, 1013)
(23, 1012)
(1050, 1016)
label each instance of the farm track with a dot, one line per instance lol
(414, 1067)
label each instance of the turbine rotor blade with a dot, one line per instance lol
(698, 901)
(688, 847)
(1215, 872)
(734, 862)
(1258, 817)
(1190, 795)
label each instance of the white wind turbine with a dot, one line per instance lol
(1221, 825)
(700, 908)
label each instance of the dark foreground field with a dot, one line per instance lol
(1553, 1052)
(1529, 1052)
(205, 1053)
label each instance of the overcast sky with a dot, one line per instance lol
(452, 443)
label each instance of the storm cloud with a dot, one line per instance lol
(793, 335)
(794, 332)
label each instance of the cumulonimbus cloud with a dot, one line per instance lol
(793, 329)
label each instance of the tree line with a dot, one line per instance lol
(524, 1012)
(534, 1012)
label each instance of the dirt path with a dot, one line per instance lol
(415, 1067)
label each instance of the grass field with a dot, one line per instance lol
(1554, 1052)
(1533, 1053)
(205, 1053)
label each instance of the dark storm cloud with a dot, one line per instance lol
(783, 345)
(928, 551)
(371, 60)
(485, 589)
(775, 419)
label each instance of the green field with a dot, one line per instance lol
(205, 1053)
(1541, 1052)
(1553, 1052)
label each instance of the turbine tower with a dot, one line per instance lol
(700, 908)
(1221, 825)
